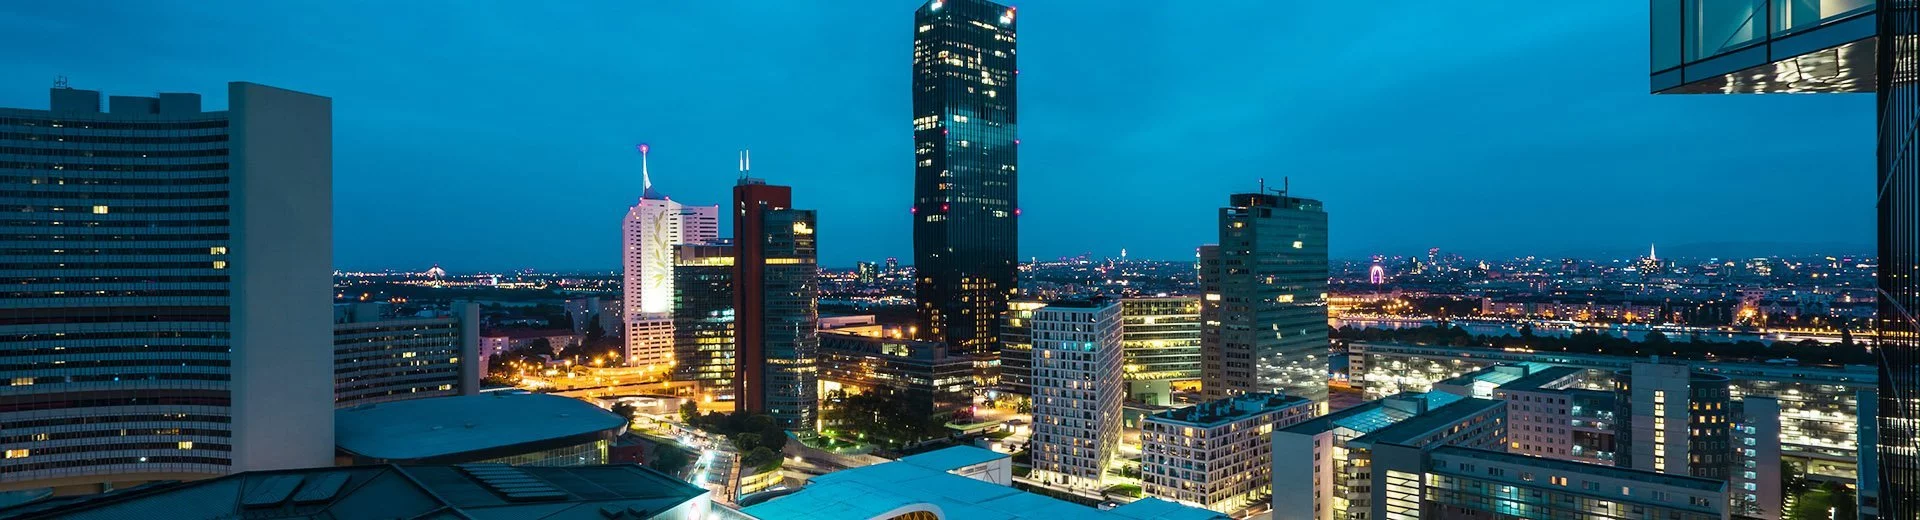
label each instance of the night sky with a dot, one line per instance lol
(493, 138)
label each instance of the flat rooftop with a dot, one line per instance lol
(1679, 481)
(1541, 377)
(421, 429)
(957, 457)
(1414, 427)
(476, 491)
(1374, 415)
(1229, 409)
(893, 488)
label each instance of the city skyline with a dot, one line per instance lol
(429, 132)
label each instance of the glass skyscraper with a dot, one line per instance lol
(776, 291)
(1773, 46)
(965, 190)
(1264, 312)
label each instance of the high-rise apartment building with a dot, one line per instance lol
(703, 349)
(1776, 46)
(776, 304)
(380, 357)
(1218, 454)
(648, 233)
(1674, 420)
(1265, 318)
(1077, 391)
(1161, 337)
(168, 312)
(966, 190)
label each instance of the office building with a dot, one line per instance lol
(933, 380)
(1462, 482)
(1266, 283)
(1161, 338)
(867, 272)
(380, 357)
(1016, 347)
(648, 233)
(614, 491)
(1673, 420)
(700, 225)
(593, 311)
(958, 483)
(1323, 468)
(1824, 410)
(703, 349)
(176, 263)
(505, 427)
(965, 189)
(1755, 485)
(1217, 455)
(776, 304)
(1077, 390)
(1831, 46)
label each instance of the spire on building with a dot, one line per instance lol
(646, 179)
(1650, 255)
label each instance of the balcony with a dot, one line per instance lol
(1762, 46)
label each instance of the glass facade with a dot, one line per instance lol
(576, 455)
(1899, 244)
(790, 322)
(934, 381)
(703, 318)
(1269, 277)
(1016, 347)
(966, 196)
(1726, 46)
(1161, 337)
(115, 327)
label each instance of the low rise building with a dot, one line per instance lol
(1323, 469)
(507, 427)
(959, 483)
(931, 378)
(619, 491)
(1219, 454)
(1455, 482)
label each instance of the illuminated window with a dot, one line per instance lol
(186, 445)
(218, 250)
(1298, 244)
(22, 381)
(17, 454)
(219, 264)
(99, 210)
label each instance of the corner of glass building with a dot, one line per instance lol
(1762, 46)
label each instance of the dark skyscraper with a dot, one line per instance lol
(776, 317)
(1899, 212)
(1264, 314)
(703, 348)
(965, 195)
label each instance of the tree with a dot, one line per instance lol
(539, 347)
(689, 413)
(625, 410)
(594, 330)
(670, 460)
(761, 459)
(746, 441)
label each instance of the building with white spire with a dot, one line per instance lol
(648, 233)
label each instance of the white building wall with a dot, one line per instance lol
(1077, 392)
(282, 268)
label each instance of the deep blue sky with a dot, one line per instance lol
(493, 138)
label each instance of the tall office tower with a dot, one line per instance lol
(703, 348)
(776, 304)
(966, 194)
(1016, 347)
(1161, 337)
(648, 233)
(700, 225)
(169, 304)
(1673, 420)
(1077, 390)
(1264, 324)
(867, 272)
(380, 357)
(1858, 46)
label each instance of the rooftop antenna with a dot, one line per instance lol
(60, 82)
(746, 162)
(646, 179)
